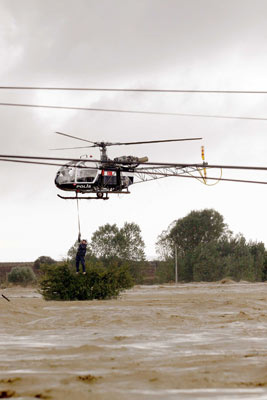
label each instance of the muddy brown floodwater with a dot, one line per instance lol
(190, 341)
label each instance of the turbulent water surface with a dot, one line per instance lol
(190, 341)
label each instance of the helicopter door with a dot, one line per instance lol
(87, 175)
(109, 178)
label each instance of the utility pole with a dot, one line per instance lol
(176, 267)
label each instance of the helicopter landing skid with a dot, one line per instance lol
(83, 198)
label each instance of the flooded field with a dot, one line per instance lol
(191, 341)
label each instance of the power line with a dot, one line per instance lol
(145, 173)
(134, 90)
(134, 111)
(159, 164)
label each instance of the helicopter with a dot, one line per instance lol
(107, 176)
(98, 178)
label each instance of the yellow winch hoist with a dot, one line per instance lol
(203, 171)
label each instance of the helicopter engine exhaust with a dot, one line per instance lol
(143, 159)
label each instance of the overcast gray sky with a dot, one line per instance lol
(190, 44)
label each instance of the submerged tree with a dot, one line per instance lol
(59, 282)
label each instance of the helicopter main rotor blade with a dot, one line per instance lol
(151, 141)
(121, 143)
(72, 148)
(45, 163)
(64, 159)
(75, 137)
(32, 162)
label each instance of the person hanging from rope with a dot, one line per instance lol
(82, 245)
(80, 256)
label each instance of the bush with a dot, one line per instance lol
(59, 282)
(43, 260)
(21, 276)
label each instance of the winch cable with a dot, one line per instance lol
(79, 224)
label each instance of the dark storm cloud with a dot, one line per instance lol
(95, 41)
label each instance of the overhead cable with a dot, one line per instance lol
(134, 111)
(144, 90)
(159, 164)
(150, 173)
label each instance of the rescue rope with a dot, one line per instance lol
(79, 225)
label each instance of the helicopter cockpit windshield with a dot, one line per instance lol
(66, 174)
(75, 172)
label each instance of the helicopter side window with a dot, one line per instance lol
(86, 175)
